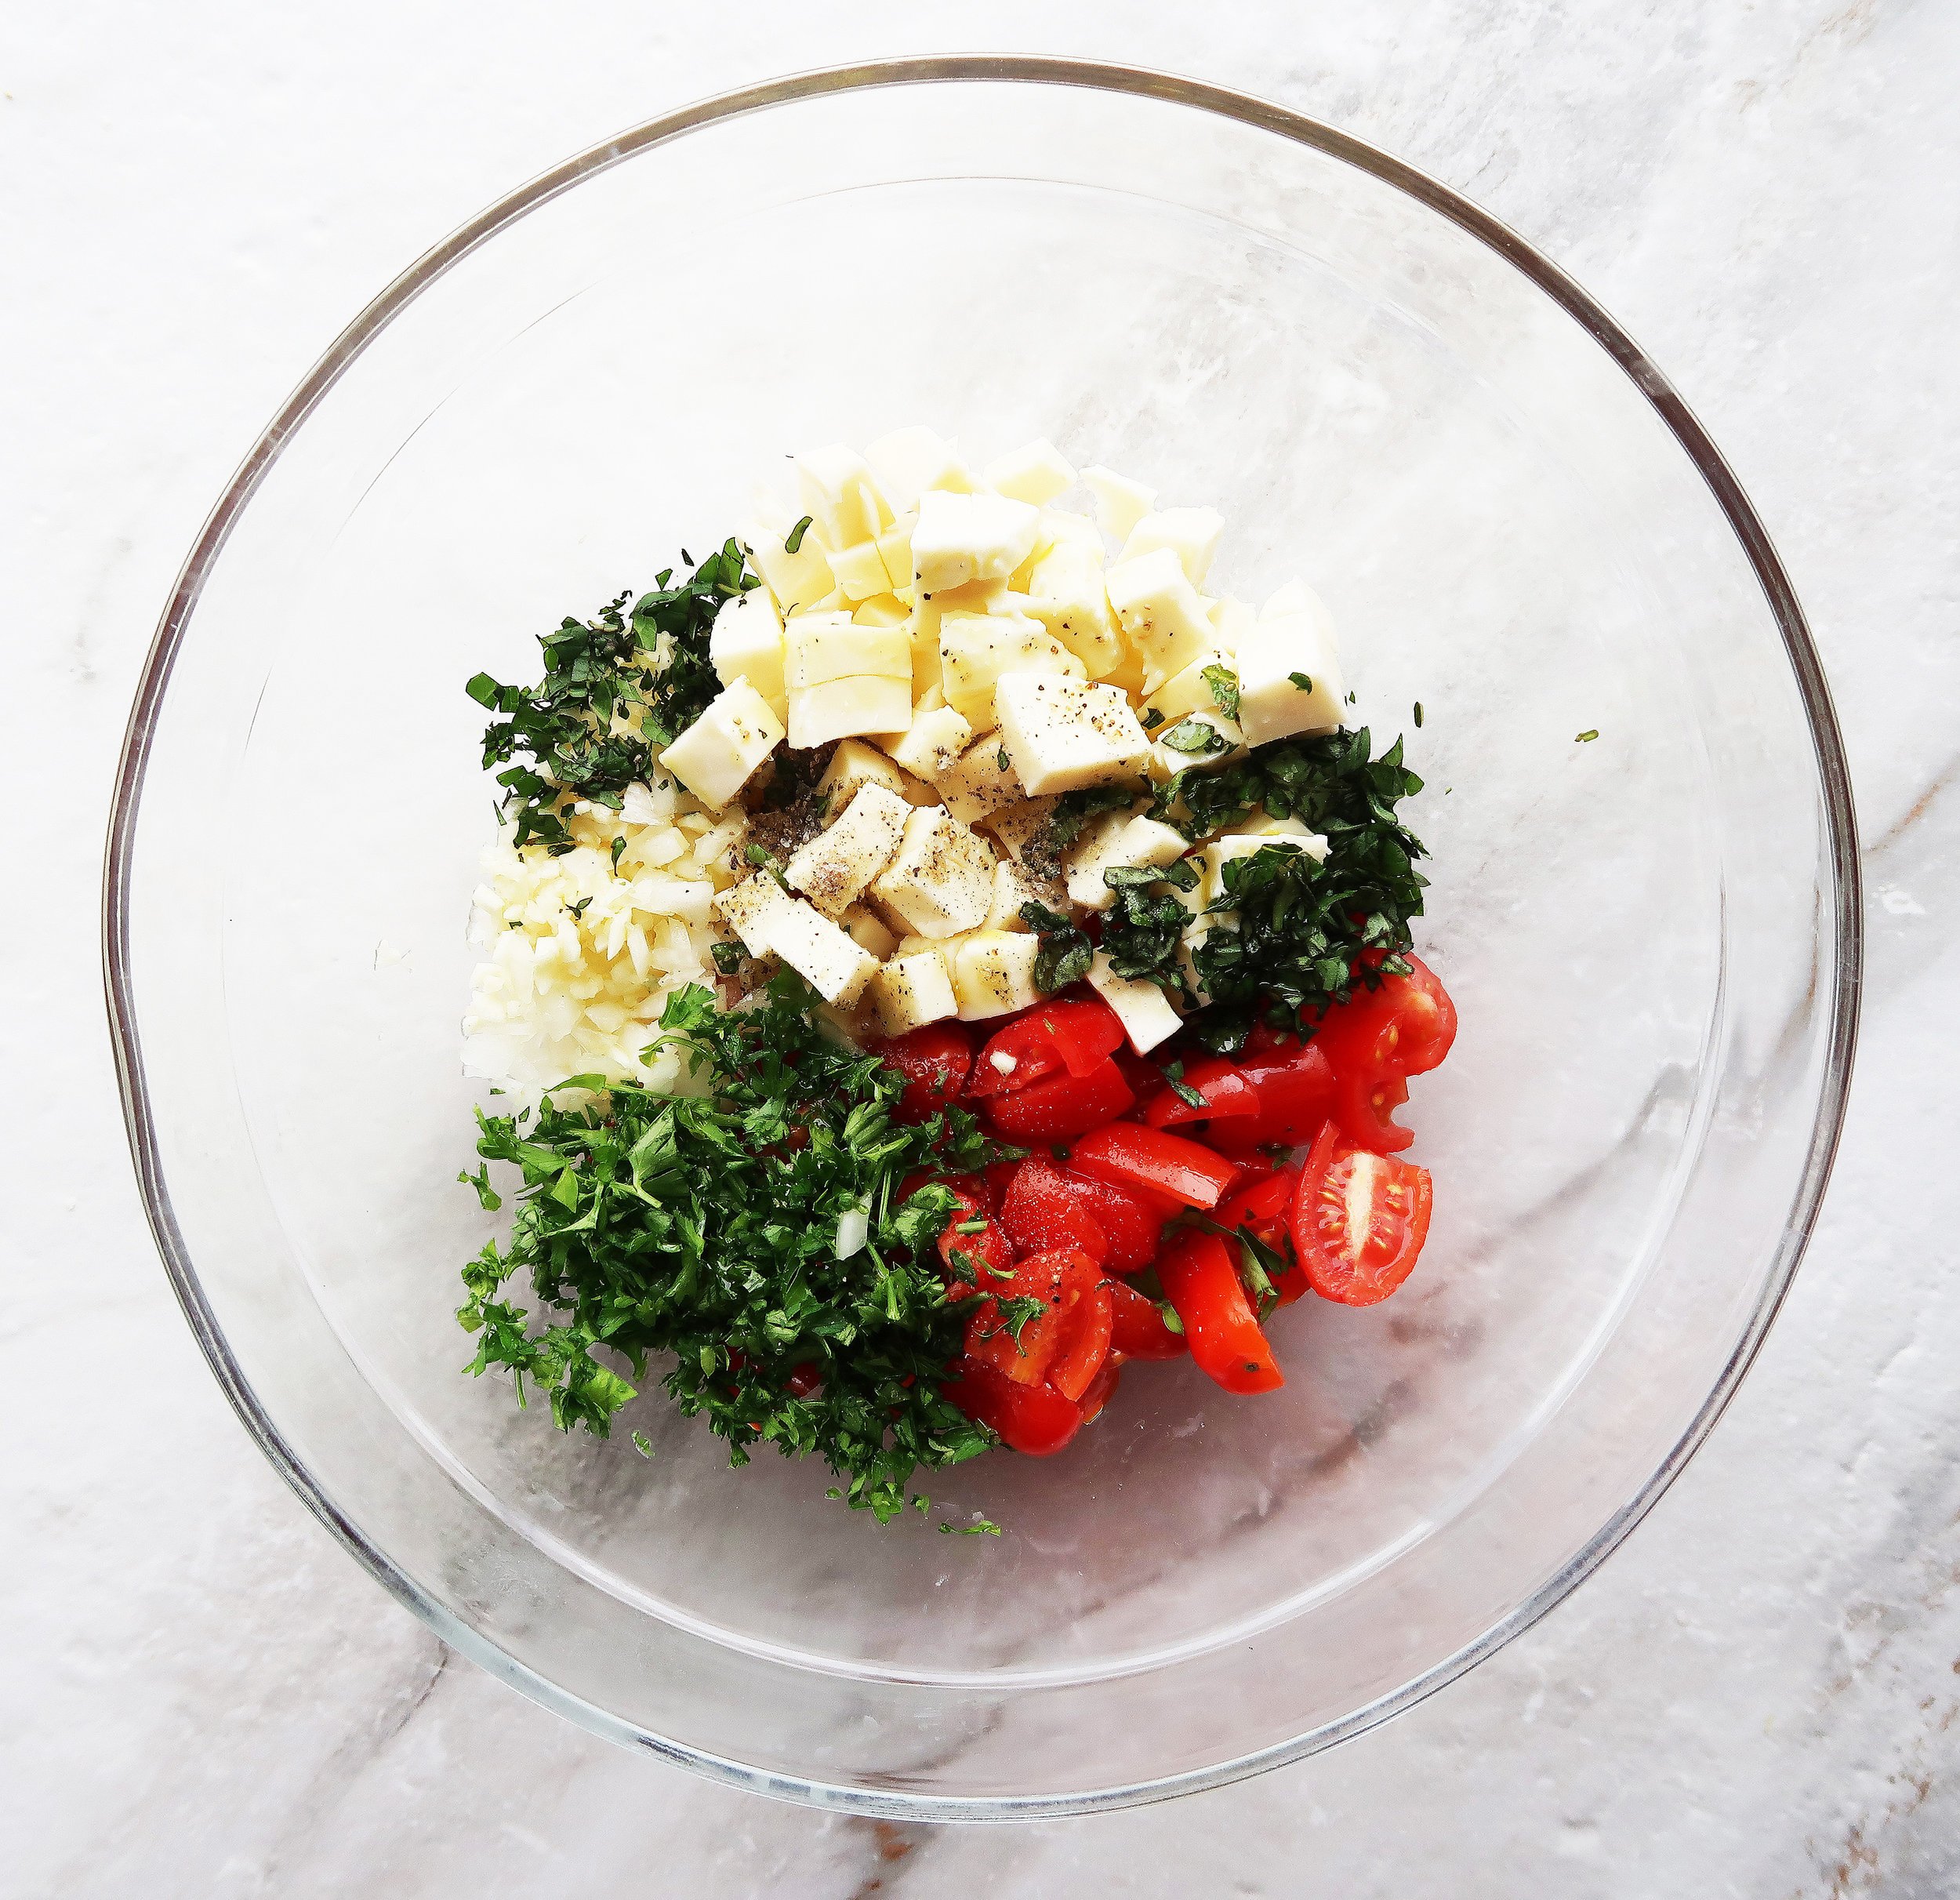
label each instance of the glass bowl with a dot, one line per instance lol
(1653, 935)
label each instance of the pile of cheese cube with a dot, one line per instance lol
(978, 651)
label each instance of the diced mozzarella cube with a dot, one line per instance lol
(928, 614)
(1283, 602)
(932, 744)
(976, 650)
(1272, 704)
(822, 954)
(1064, 734)
(982, 780)
(1288, 834)
(1231, 620)
(859, 572)
(1067, 598)
(1120, 503)
(1161, 613)
(868, 933)
(881, 610)
(895, 550)
(745, 908)
(833, 867)
(746, 642)
(823, 647)
(1187, 691)
(942, 880)
(838, 709)
(853, 766)
(993, 973)
(1191, 534)
(963, 538)
(1143, 1009)
(715, 756)
(909, 461)
(801, 579)
(911, 992)
(1011, 889)
(835, 487)
(1119, 842)
(1017, 826)
(1034, 473)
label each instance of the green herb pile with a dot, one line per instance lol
(708, 1227)
(617, 689)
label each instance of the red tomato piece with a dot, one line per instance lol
(1137, 1329)
(1132, 1224)
(1061, 1105)
(1359, 1220)
(991, 1257)
(935, 1061)
(1365, 1102)
(1220, 1083)
(1404, 1025)
(1264, 1206)
(1035, 1420)
(1042, 1209)
(1063, 1345)
(1135, 1155)
(1201, 1282)
(1103, 1388)
(1074, 1036)
(803, 1380)
(1295, 1091)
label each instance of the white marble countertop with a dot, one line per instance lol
(204, 1696)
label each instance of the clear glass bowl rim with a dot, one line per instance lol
(997, 68)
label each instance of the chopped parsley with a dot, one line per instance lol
(1196, 737)
(706, 1227)
(616, 689)
(1584, 739)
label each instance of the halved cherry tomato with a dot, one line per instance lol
(1219, 1082)
(1359, 1220)
(987, 1251)
(803, 1380)
(1075, 1036)
(1135, 1155)
(1042, 1209)
(1035, 1420)
(1063, 1346)
(1060, 1105)
(1403, 1026)
(1201, 1282)
(1131, 1221)
(935, 1061)
(1263, 1206)
(1295, 1088)
(1138, 1330)
(1103, 1388)
(1364, 1104)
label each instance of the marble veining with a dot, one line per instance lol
(1757, 1695)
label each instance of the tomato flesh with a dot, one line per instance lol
(1132, 1223)
(1222, 1088)
(1074, 1036)
(1359, 1220)
(1042, 1209)
(1035, 1420)
(1060, 1105)
(1137, 1328)
(1264, 1207)
(988, 1256)
(1134, 1156)
(1202, 1283)
(935, 1061)
(1065, 1345)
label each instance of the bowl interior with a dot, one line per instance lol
(1637, 928)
